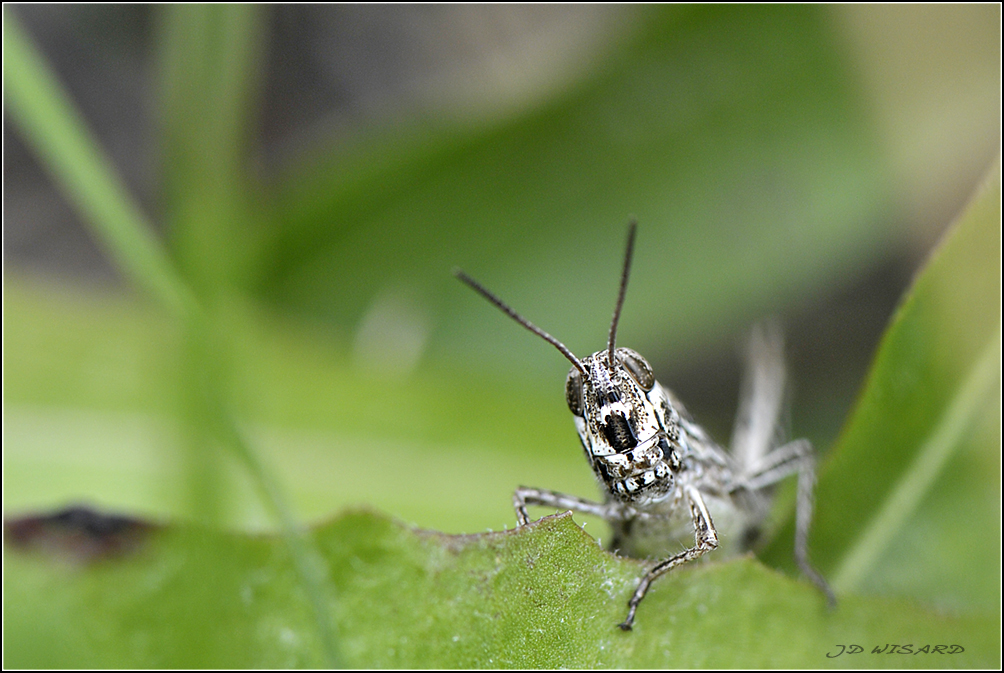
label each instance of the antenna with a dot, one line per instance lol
(632, 226)
(480, 289)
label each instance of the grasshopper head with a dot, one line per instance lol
(618, 413)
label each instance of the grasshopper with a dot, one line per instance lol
(661, 474)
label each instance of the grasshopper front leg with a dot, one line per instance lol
(534, 496)
(705, 540)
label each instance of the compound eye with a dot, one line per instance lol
(639, 369)
(573, 391)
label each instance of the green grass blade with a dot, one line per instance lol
(309, 565)
(209, 60)
(51, 125)
(56, 130)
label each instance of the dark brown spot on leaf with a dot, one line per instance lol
(77, 534)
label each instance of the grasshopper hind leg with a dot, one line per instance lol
(760, 462)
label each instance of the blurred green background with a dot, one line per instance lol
(315, 173)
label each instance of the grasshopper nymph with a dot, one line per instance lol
(661, 474)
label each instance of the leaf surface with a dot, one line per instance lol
(543, 597)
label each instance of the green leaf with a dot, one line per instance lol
(736, 136)
(543, 597)
(916, 468)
